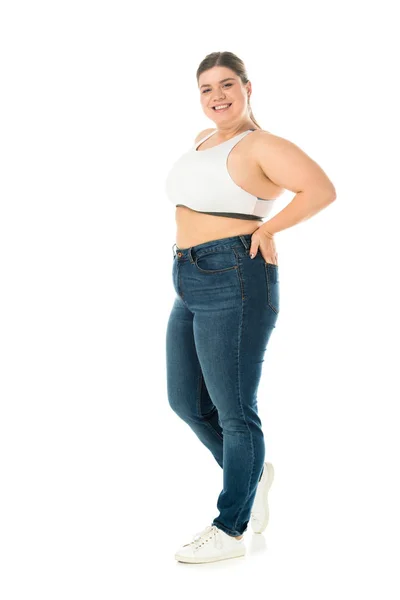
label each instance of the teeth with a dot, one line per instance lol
(221, 106)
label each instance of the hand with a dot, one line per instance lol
(263, 241)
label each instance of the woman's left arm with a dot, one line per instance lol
(289, 167)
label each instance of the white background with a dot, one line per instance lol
(100, 481)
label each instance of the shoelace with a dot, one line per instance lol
(211, 532)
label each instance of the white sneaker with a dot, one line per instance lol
(209, 545)
(260, 511)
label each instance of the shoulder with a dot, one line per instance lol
(261, 143)
(267, 146)
(204, 133)
(265, 140)
(261, 136)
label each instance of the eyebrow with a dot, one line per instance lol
(222, 81)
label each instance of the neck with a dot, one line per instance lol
(229, 132)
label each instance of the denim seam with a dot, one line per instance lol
(239, 273)
(179, 281)
(269, 289)
(180, 287)
(218, 248)
(243, 415)
(198, 395)
(211, 428)
(199, 413)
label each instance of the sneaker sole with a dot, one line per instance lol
(193, 559)
(264, 499)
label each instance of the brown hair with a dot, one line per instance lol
(230, 60)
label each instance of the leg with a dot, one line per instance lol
(231, 334)
(187, 393)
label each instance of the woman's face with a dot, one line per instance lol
(220, 85)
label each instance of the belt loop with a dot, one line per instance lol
(190, 255)
(244, 242)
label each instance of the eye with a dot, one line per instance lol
(225, 84)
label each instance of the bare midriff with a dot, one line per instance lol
(193, 227)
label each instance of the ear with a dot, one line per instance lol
(248, 89)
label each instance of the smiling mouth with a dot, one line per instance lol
(213, 107)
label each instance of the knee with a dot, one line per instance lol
(179, 407)
(234, 425)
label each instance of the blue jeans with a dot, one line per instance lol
(225, 309)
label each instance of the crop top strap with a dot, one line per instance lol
(196, 144)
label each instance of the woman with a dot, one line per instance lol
(225, 274)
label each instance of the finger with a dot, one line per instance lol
(253, 249)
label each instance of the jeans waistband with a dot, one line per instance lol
(184, 253)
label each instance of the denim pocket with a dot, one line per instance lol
(217, 261)
(272, 277)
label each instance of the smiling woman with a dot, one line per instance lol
(227, 303)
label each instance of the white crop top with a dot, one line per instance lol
(200, 180)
